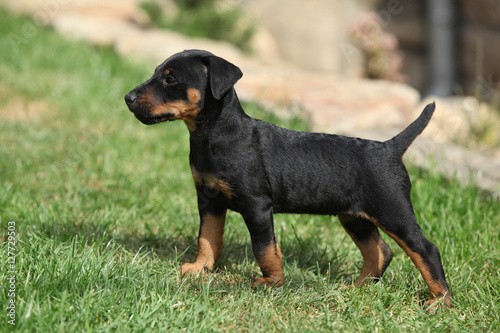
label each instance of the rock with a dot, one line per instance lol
(463, 121)
(264, 46)
(333, 104)
(468, 166)
(169, 8)
(97, 30)
(378, 105)
(156, 45)
(320, 31)
(44, 11)
(451, 139)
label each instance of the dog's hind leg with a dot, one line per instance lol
(376, 253)
(401, 225)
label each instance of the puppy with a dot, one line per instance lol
(258, 169)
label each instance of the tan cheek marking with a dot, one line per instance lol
(190, 116)
(177, 110)
(190, 121)
(194, 95)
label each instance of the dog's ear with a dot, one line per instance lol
(222, 75)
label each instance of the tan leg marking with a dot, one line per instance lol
(270, 262)
(436, 288)
(211, 182)
(376, 257)
(209, 244)
(375, 252)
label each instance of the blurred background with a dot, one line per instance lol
(360, 67)
(446, 47)
(442, 48)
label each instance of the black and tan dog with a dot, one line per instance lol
(258, 169)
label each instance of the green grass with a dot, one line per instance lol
(105, 213)
(203, 18)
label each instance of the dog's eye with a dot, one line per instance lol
(170, 80)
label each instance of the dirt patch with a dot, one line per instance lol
(17, 108)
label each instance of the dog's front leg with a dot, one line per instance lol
(209, 241)
(265, 248)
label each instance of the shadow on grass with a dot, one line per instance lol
(94, 229)
(301, 254)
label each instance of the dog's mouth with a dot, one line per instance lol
(145, 118)
(142, 111)
(151, 120)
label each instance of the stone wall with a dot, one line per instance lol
(313, 34)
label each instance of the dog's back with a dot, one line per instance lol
(332, 170)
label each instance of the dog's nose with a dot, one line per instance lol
(130, 98)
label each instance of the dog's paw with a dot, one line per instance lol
(191, 268)
(271, 281)
(436, 305)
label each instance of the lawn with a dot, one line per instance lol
(103, 212)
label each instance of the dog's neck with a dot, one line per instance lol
(209, 126)
(227, 108)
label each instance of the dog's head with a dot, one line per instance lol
(180, 87)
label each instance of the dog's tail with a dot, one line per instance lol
(403, 140)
